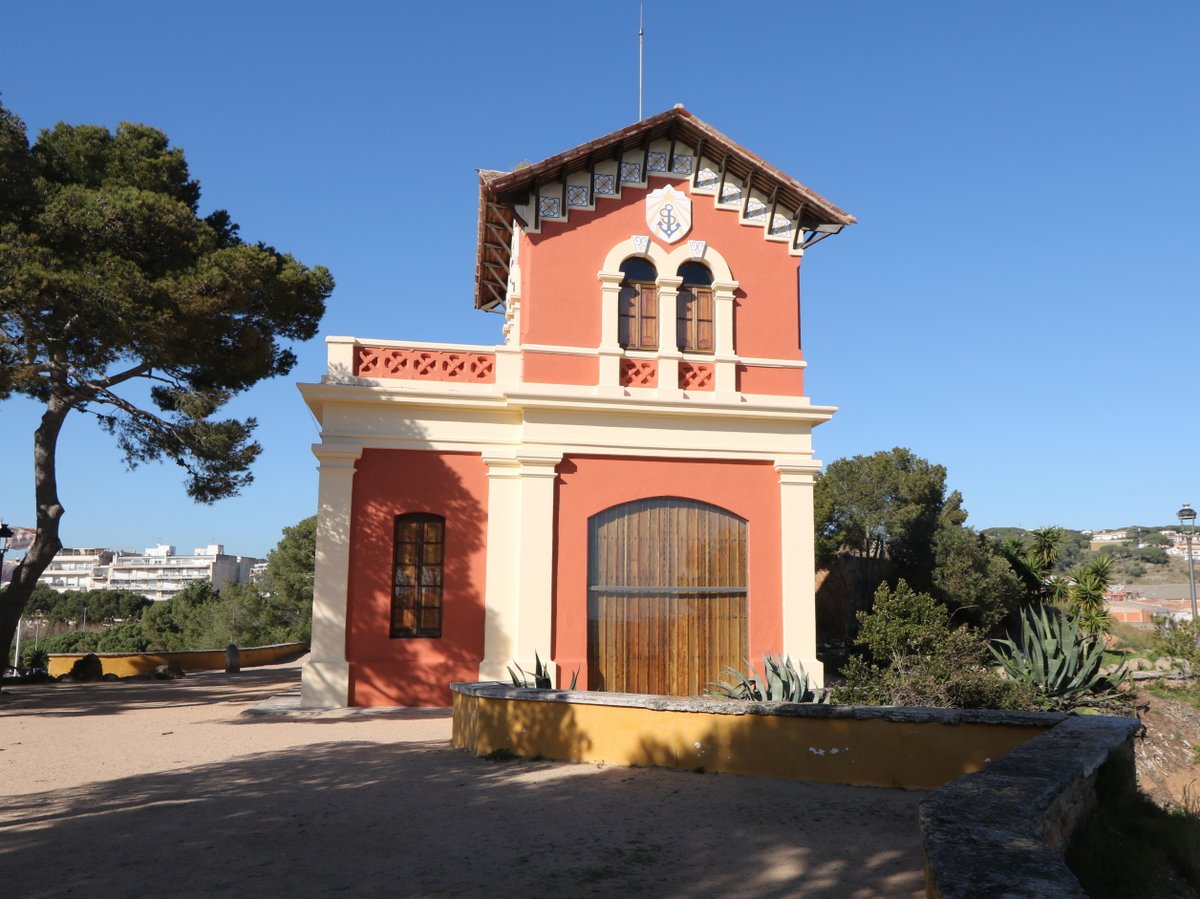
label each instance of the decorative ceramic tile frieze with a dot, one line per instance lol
(708, 179)
(641, 243)
(631, 172)
(698, 248)
(550, 207)
(730, 193)
(781, 225)
(681, 164)
(577, 195)
(756, 211)
(656, 161)
(425, 365)
(604, 184)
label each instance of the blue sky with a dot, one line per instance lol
(1017, 303)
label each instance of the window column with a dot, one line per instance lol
(798, 553)
(325, 682)
(668, 340)
(723, 351)
(610, 347)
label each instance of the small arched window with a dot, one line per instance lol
(418, 563)
(694, 318)
(638, 305)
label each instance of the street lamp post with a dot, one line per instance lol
(6, 534)
(1187, 520)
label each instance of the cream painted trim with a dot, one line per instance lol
(325, 681)
(772, 363)
(667, 263)
(417, 344)
(798, 556)
(560, 350)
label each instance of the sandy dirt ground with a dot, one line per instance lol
(167, 788)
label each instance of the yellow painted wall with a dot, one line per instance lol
(130, 664)
(864, 752)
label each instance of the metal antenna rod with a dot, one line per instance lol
(641, 44)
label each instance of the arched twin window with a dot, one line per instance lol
(638, 307)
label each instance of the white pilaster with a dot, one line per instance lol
(520, 569)
(535, 587)
(798, 553)
(325, 682)
(501, 585)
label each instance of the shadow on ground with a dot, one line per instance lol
(421, 819)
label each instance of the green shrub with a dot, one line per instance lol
(129, 637)
(914, 657)
(1177, 639)
(72, 641)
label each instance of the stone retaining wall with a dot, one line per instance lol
(1003, 831)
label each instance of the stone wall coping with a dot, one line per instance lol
(714, 706)
(1002, 831)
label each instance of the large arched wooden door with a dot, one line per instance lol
(666, 596)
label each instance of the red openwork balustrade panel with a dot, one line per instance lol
(696, 376)
(425, 365)
(639, 373)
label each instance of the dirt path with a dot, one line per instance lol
(140, 788)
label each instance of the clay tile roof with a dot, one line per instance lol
(500, 192)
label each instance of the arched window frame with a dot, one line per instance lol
(694, 318)
(668, 355)
(637, 326)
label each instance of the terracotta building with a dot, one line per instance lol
(624, 485)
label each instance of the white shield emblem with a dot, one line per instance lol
(668, 213)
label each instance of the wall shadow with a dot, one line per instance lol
(389, 670)
(419, 819)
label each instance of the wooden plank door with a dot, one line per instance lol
(667, 603)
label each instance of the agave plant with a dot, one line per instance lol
(1058, 658)
(541, 675)
(783, 682)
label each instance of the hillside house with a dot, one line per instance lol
(623, 487)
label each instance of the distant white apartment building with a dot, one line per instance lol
(1109, 536)
(78, 569)
(158, 573)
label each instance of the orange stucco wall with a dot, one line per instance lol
(410, 670)
(771, 381)
(588, 484)
(561, 292)
(560, 368)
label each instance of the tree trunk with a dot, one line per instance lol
(46, 543)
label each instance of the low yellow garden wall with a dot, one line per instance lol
(889, 747)
(131, 664)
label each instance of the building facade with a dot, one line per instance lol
(623, 488)
(78, 569)
(158, 573)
